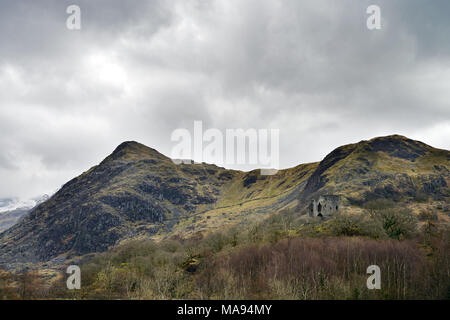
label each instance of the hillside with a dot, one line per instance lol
(137, 192)
(392, 167)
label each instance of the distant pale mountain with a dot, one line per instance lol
(12, 209)
(138, 192)
(10, 204)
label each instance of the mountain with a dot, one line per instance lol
(138, 192)
(11, 210)
(392, 167)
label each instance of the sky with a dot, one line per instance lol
(138, 70)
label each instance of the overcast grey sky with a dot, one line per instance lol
(137, 70)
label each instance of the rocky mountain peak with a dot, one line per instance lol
(399, 146)
(132, 150)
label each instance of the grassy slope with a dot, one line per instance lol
(240, 203)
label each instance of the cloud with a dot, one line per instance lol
(140, 69)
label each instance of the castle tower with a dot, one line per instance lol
(324, 206)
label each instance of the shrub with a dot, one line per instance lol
(428, 215)
(355, 225)
(397, 223)
(379, 204)
(216, 241)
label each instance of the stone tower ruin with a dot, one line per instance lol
(324, 206)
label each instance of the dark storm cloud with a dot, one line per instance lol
(140, 69)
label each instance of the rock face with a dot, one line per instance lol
(136, 191)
